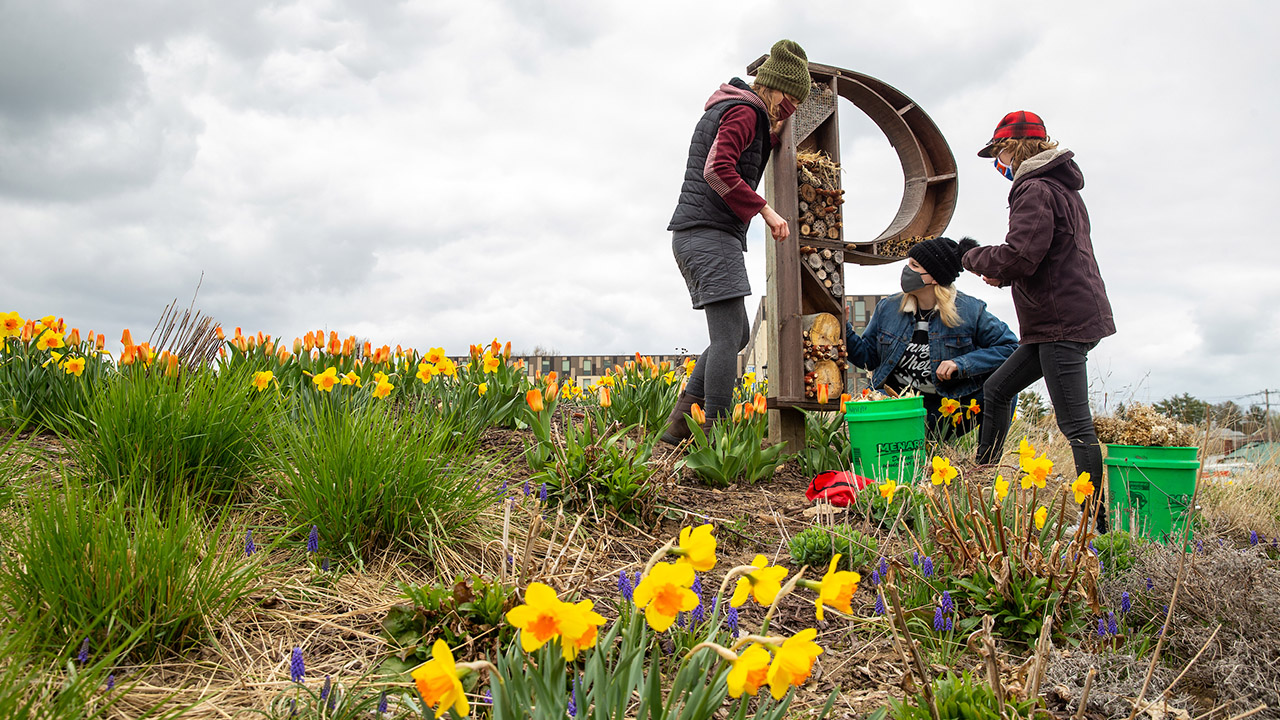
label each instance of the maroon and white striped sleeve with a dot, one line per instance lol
(737, 131)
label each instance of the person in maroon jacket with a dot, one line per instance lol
(727, 156)
(1058, 293)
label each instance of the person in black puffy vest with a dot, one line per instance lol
(727, 157)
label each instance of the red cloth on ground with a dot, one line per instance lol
(838, 488)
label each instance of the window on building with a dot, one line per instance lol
(860, 310)
(564, 366)
(586, 367)
(546, 364)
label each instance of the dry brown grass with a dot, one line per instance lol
(1249, 501)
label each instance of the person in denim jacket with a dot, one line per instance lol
(932, 338)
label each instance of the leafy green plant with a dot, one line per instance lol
(816, 546)
(878, 511)
(82, 552)
(1117, 550)
(641, 392)
(470, 609)
(596, 462)
(733, 450)
(201, 432)
(957, 697)
(377, 477)
(48, 380)
(826, 443)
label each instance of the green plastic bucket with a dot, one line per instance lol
(1150, 489)
(887, 437)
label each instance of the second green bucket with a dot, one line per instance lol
(887, 438)
(1150, 489)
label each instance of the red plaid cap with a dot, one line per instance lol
(1016, 125)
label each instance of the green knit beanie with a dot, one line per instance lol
(787, 69)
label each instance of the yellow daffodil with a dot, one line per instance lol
(669, 377)
(888, 489)
(351, 379)
(942, 471)
(1026, 452)
(1041, 515)
(763, 584)
(491, 362)
(380, 377)
(664, 593)
(383, 389)
(1082, 487)
(1037, 470)
(446, 367)
(793, 662)
(262, 379)
(590, 621)
(534, 398)
(482, 388)
(606, 381)
(749, 379)
(10, 325)
(698, 547)
(327, 379)
(74, 366)
(973, 408)
(49, 340)
(545, 616)
(948, 406)
(438, 682)
(435, 355)
(425, 372)
(688, 365)
(1001, 488)
(837, 589)
(749, 672)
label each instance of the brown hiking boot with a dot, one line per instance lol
(677, 429)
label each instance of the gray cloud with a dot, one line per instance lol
(437, 175)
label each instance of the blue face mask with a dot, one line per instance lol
(1004, 170)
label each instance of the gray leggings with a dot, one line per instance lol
(716, 371)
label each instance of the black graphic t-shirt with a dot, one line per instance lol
(914, 371)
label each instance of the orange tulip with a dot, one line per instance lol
(822, 393)
(738, 412)
(519, 364)
(550, 392)
(551, 376)
(73, 337)
(335, 345)
(534, 398)
(126, 339)
(127, 357)
(102, 341)
(218, 331)
(699, 416)
(606, 398)
(506, 350)
(368, 349)
(844, 399)
(761, 403)
(748, 410)
(172, 369)
(27, 329)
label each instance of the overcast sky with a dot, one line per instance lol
(432, 173)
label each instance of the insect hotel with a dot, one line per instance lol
(806, 274)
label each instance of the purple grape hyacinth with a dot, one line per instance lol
(927, 565)
(249, 547)
(382, 703)
(542, 492)
(1112, 627)
(83, 656)
(1125, 604)
(915, 557)
(947, 605)
(938, 621)
(324, 691)
(731, 620)
(884, 566)
(624, 586)
(1102, 627)
(313, 540)
(297, 667)
(875, 577)
(879, 604)
(1150, 585)
(1253, 537)
(572, 708)
(949, 625)
(111, 682)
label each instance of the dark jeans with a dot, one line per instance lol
(716, 371)
(1062, 365)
